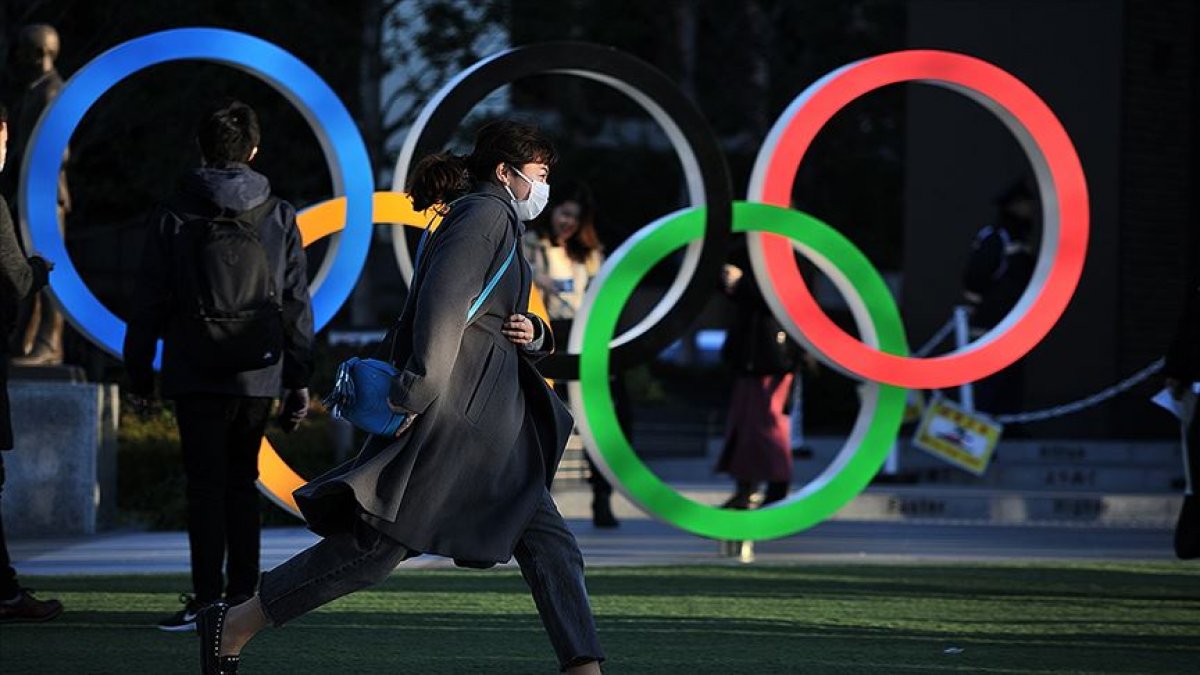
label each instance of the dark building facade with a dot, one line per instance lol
(1122, 78)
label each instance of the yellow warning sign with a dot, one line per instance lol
(964, 439)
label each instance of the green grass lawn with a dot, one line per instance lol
(1010, 618)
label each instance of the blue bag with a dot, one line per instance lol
(360, 391)
(360, 394)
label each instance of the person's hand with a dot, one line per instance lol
(730, 276)
(41, 271)
(1176, 387)
(518, 329)
(293, 409)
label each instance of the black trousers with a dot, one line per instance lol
(220, 437)
(8, 575)
(1187, 529)
(343, 563)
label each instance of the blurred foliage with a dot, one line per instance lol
(152, 489)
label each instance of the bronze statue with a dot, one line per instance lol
(32, 83)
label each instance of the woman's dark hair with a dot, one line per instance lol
(3, 114)
(228, 133)
(584, 240)
(440, 178)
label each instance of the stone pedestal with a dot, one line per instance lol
(62, 473)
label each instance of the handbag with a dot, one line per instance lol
(360, 390)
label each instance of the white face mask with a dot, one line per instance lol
(530, 207)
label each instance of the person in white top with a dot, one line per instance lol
(565, 252)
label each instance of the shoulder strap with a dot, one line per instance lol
(491, 285)
(487, 290)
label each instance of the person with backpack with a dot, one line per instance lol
(466, 473)
(223, 283)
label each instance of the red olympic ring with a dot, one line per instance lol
(1060, 180)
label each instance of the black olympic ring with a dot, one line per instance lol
(705, 171)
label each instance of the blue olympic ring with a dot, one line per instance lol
(324, 111)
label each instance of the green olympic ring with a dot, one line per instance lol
(874, 431)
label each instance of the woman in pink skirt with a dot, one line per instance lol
(757, 434)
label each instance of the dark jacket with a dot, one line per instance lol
(465, 479)
(756, 343)
(1183, 356)
(19, 278)
(998, 271)
(229, 190)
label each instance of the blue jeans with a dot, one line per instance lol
(547, 553)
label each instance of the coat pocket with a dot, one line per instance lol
(492, 367)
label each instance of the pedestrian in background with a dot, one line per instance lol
(20, 276)
(1182, 370)
(564, 250)
(223, 283)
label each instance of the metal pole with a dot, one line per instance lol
(962, 336)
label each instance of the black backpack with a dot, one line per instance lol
(230, 315)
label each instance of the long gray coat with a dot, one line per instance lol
(19, 277)
(465, 479)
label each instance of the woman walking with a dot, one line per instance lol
(467, 474)
(758, 433)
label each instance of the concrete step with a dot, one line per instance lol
(925, 505)
(1014, 507)
(1071, 477)
(1105, 477)
(675, 440)
(1067, 453)
(1107, 466)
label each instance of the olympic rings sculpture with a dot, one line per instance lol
(774, 230)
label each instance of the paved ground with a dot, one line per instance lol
(645, 542)
(869, 529)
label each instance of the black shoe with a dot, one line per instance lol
(235, 600)
(24, 607)
(602, 515)
(802, 452)
(210, 624)
(183, 621)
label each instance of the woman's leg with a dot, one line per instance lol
(335, 566)
(553, 567)
(744, 496)
(776, 491)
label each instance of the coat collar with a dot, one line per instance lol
(488, 187)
